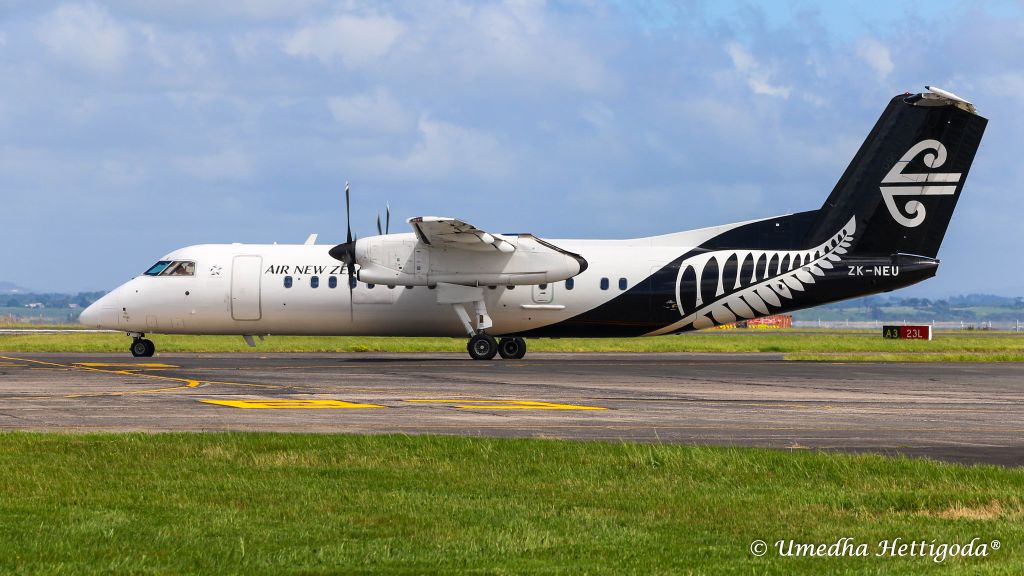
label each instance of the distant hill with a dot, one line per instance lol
(12, 288)
(964, 308)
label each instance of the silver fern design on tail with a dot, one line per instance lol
(773, 278)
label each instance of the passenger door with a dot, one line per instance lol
(245, 287)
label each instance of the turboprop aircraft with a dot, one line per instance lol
(879, 230)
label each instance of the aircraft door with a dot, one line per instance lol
(543, 293)
(245, 287)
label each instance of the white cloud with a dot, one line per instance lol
(225, 165)
(352, 40)
(518, 42)
(756, 75)
(85, 35)
(181, 53)
(876, 55)
(236, 11)
(444, 150)
(599, 116)
(371, 112)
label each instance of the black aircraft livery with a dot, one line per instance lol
(880, 229)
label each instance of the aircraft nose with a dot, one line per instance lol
(94, 317)
(91, 315)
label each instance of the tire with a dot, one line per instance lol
(482, 347)
(150, 348)
(139, 348)
(512, 348)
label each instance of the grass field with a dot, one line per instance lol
(320, 504)
(801, 345)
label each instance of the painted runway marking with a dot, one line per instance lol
(506, 404)
(186, 383)
(123, 365)
(290, 404)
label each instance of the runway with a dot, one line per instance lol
(964, 412)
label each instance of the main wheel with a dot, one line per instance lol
(482, 347)
(139, 347)
(512, 348)
(142, 348)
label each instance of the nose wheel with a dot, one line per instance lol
(142, 348)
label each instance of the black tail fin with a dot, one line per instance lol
(905, 180)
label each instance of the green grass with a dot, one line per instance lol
(325, 504)
(802, 345)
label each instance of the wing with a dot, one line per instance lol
(453, 233)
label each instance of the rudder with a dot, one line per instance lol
(904, 182)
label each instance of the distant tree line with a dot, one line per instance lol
(968, 307)
(50, 300)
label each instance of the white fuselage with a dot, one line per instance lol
(241, 289)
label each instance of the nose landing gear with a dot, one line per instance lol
(141, 347)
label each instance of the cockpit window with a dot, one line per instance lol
(157, 268)
(172, 268)
(180, 269)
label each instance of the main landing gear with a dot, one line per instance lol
(483, 346)
(141, 347)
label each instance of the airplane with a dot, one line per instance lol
(880, 229)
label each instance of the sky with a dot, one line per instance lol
(131, 128)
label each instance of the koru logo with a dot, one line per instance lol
(931, 184)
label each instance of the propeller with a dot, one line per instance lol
(387, 221)
(346, 253)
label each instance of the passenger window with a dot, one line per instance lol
(370, 286)
(604, 283)
(569, 283)
(622, 284)
(314, 281)
(543, 286)
(391, 286)
(332, 282)
(287, 281)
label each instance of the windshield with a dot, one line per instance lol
(172, 268)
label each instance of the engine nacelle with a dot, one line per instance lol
(403, 260)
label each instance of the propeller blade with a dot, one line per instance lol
(387, 221)
(379, 232)
(348, 215)
(346, 253)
